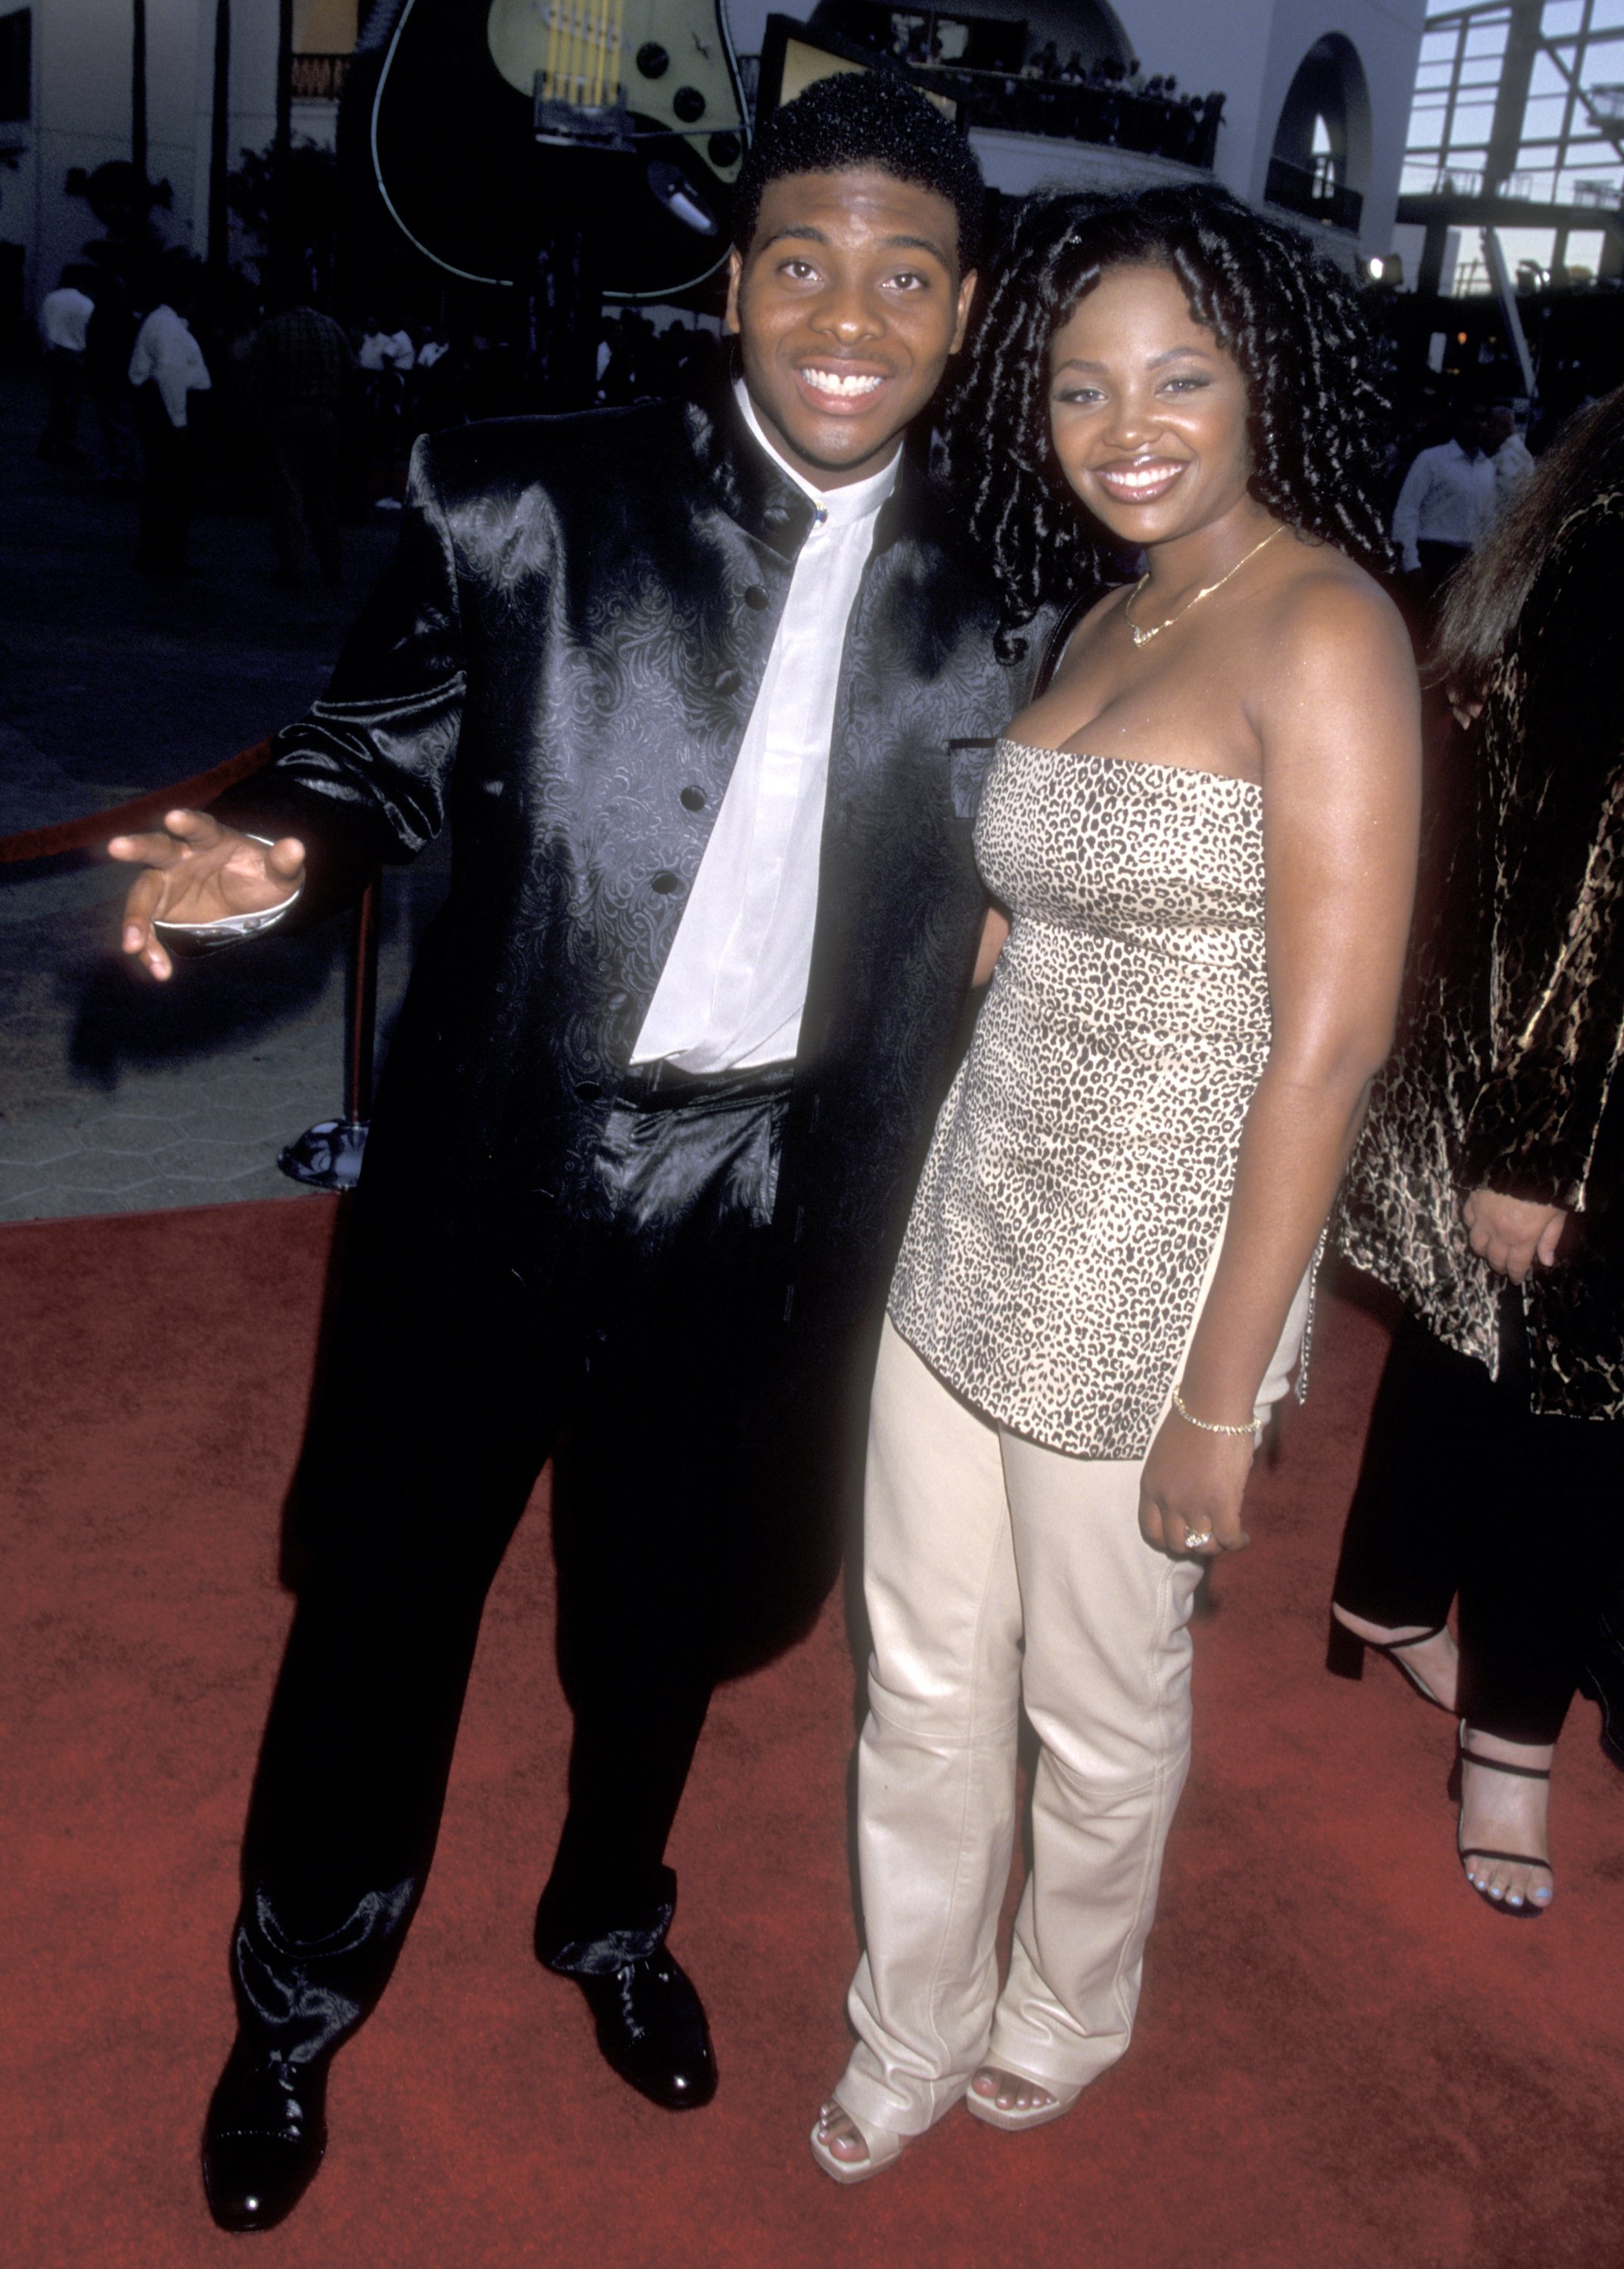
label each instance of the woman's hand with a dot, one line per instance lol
(1192, 1486)
(1511, 1234)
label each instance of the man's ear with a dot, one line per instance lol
(736, 270)
(966, 302)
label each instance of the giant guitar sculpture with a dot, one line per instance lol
(496, 124)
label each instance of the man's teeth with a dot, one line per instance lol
(834, 382)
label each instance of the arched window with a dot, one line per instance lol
(1319, 164)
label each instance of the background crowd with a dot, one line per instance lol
(276, 405)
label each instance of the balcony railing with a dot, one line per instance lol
(1315, 195)
(1154, 125)
(1600, 193)
(318, 78)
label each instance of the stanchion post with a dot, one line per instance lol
(328, 1156)
(361, 989)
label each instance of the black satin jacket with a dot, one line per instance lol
(561, 664)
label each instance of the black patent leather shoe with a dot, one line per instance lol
(263, 2138)
(652, 2032)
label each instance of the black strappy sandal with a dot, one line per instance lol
(1530, 1909)
(1345, 1655)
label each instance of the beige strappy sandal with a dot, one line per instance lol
(1015, 2119)
(884, 2147)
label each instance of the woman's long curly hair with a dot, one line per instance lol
(1316, 409)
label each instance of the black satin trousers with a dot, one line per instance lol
(640, 1364)
(1465, 1496)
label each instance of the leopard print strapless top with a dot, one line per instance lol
(1082, 1162)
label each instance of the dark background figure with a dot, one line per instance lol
(166, 369)
(65, 316)
(299, 371)
(109, 342)
(1486, 1191)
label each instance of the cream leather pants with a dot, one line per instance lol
(995, 1572)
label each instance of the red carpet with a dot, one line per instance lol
(1344, 2059)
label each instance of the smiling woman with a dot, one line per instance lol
(1288, 322)
(1199, 844)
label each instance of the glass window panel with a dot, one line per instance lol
(1437, 48)
(1432, 78)
(1561, 19)
(1606, 15)
(1473, 122)
(1486, 40)
(1584, 250)
(1536, 244)
(1544, 116)
(1546, 78)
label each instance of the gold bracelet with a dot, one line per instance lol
(1206, 1424)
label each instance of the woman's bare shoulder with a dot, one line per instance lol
(1326, 617)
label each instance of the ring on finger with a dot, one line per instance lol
(1194, 1543)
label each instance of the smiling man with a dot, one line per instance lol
(704, 695)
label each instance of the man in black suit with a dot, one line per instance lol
(706, 695)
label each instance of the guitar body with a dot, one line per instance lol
(645, 125)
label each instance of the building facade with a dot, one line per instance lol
(70, 93)
(1316, 99)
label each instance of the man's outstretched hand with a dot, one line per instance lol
(195, 870)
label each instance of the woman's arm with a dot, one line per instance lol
(1339, 720)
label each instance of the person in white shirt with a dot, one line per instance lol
(382, 349)
(65, 316)
(167, 368)
(1513, 460)
(1447, 502)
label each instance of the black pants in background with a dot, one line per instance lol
(640, 1357)
(168, 483)
(64, 391)
(301, 490)
(1464, 1494)
(1438, 563)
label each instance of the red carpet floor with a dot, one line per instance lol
(1344, 2059)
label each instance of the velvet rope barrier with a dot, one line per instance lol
(140, 811)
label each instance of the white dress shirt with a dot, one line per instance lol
(1447, 498)
(166, 352)
(386, 350)
(735, 982)
(63, 316)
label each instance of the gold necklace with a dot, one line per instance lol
(1143, 638)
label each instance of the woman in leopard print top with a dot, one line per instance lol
(1201, 840)
(1486, 1192)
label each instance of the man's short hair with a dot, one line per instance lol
(866, 118)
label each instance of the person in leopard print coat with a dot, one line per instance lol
(1486, 1191)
